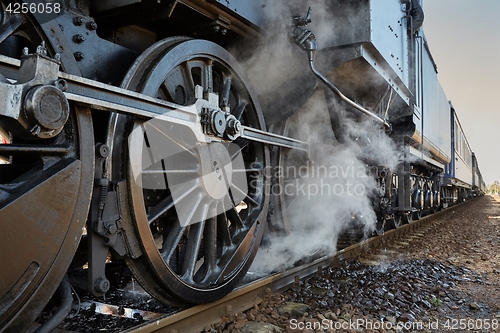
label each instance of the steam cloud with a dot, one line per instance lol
(324, 193)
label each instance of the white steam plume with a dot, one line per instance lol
(326, 192)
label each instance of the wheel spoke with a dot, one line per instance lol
(155, 128)
(179, 85)
(207, 77)
(210, 243)
(192, 248)
(235, 219)
(397, 221)
(225, 91)
(223, 231)
(240, 108)
(241, 144)
(167, 203)
(170, 243)
(160, 209)
(12, 24)
(167, 93)
(193, 244)
(195, 201)
(245, 195)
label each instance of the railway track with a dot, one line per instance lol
(253, 291)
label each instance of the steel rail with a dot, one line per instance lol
(195, 319)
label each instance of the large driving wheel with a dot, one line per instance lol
(198, 227)
(45, 187)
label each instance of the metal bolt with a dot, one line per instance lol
(92, 25)
(41, 49)
(78, 39)
(61, 84)
(78, 21)
(102, 150)
(233, 127)
(101, 285)
(79, 56)
(26, 51)
(111, 227)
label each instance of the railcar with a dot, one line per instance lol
(142, 131)
(478, 184)
(459, 176)
(463, 178)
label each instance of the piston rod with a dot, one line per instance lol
(106, 97)
(307, 41)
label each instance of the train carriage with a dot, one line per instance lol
(459, 174)
(478, 184)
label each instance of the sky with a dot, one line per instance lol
(464, 39)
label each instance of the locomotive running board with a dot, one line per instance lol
(106, 97)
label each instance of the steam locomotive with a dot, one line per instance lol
(142, 131)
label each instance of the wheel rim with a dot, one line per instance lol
(437, 200)
(380, 226)
(47, 194)
(202, 260)
(420, 204)
(417, 202)
(287, 201)
(429, 199)
(396, 221)
(407, 218)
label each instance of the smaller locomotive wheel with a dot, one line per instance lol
(198, 236)
(437, 200)
(380, 226)
(395, 221)
(418, 203)
(407, 217)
